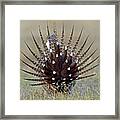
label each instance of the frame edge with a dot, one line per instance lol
(117, 10)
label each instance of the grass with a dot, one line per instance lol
(87, 89)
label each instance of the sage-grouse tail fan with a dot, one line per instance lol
(59, 66)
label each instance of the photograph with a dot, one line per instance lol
(59, 59)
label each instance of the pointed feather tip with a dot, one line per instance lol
(39, 27)
(32, 34)
(27, 45)
(21, 60)
(22, 52)
(23, 70)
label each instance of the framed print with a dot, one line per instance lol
(59, 60)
